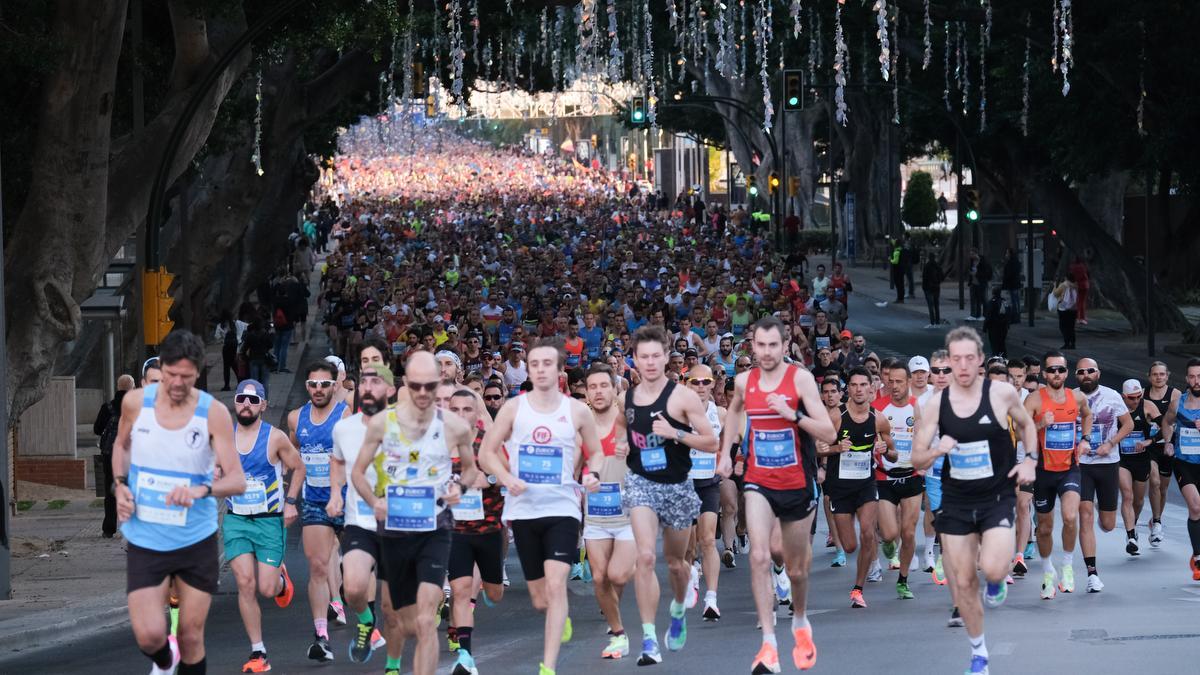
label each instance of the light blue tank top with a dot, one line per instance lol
(316, 447)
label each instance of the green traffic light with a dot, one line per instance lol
(753, 191)
(793, 100)
(972, 215)
(638, 115)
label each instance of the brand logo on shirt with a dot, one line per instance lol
(195, 438)
(910, 421)
(985, 420)
(541, 435)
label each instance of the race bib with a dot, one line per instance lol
(854, 465)
(252, 501)
(316, 469)
(411, 509)
(470, 506)
(776, 449)
(704, 465)
(540, 464)
(150, 497)
(903, 441)
(822, 342)
(1129, 443)
(1189, 441)
(605, 502)
(654, 459)
(971, 461)
(1060, 436)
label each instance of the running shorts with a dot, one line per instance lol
(787, 505)
(896, 490)
(262, 537)
(676, 504)
(1048, 486)
(195, 565)
(485, 550)
(1100, 483)
(411, 560)
(542, 539)
(954, 519)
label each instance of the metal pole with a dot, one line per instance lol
(958, 210)
(5, 486)
(833, 237)
(1149, 273)
(728, 182)
(1031, 295)
(110, 362)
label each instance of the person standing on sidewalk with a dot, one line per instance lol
(229, 333)
(1079, 273)
(1010, 281)
(897, 269)
(107, 422)
(931, 283)
(979, 275)
(1065, 301)
(256, 346)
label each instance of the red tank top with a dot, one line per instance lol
(776, 458)
(1057, 440)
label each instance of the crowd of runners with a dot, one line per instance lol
(529, 354)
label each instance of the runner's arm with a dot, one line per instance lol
(1166, 427)
(463, 436)
(922, 454)
(702, 437)
(490, 459)
(734, 411)
(358, 474)
(1085, 424)
(883, 430)
(820, 427)
(290, 459)
(337, 475)
(293, 420)
(1026, 427)
(220, 429)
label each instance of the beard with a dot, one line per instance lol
(247, 419)
(726, 352)
(1088, 387)
(370, 406)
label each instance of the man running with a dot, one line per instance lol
(831, 398)
(780, 483)
(706, 476)
(1056, 410)
(607, 534)
(976, 514)
(1165, 398)
(939, 379)
(255, 526)
(1135, 460)
(168, 441)
(1100, 476)
(546, 433)
(900, 487)
(312, 431)
(1184, 419)
(849, 480)
(665, 422)
(1017, 372)
(360, 543)
(410, 448)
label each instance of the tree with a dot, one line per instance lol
(920, 207)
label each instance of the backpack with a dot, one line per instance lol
(280, 319)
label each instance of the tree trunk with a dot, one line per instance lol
(1103, 197)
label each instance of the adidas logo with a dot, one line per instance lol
(562, 418)
(985, 420)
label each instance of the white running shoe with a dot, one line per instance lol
(1156, 534)
(783, 586)
(1094, 585)
(875, 573)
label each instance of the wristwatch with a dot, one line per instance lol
(679, 434)
(290, 500)
(207, 491)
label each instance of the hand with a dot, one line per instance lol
(1169, 449)
(739, 466)
(453, 494)
(290, 515)
(184, 495)
(662, 427)
(622, 449)
(820, 475)
(380, 508)
(880, 445)
(1025, 472)
(724, 466)
(1047, 419)
(1141, 445)
(481, 481)
(844, 445)
(335, 506)
(1079, 451)
(516, 486)
(125, 505)
(590, 482)
(779, 403)
(1105, 449)
(946, 444)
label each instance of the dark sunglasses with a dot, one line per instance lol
(742, 364)
(1086, 371)
(428, 387)
(323, 384)
(1054, 369)
(252, 399)
(940, 371)
(701, 381)
(493, 397)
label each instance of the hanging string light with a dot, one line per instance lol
(616, 58)
(762, 41)
(1141, 106)
(895, 70)
(648, 66)
(881, 33)
(983, 40)
(1054, 43)
(839, 67)
(794, 10)
(1067, 42)
(946, 69)
(928, 39)
(256, 158)
(1025, 82)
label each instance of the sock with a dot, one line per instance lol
(978, 646)
(648, 632)
(366, 616)
(776, 568)
(858, 588)
(1047, 565)
(1131, 534)
(336, 601)
(464, 638)
(710, 597)
(1194, 535)
(162, 657)
(677, 610)
(800, 621)
(452, 633)
(321, 627)
(198, 668)
(769, 638)
(393, 663)
(1068, 558)
(902, 579)
(1090, 563)
(618, 633)
(258, 647)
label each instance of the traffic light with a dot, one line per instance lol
(793, 89)
(773, 183)
(970, 206)
(637, 110)
(430, 107)
(156, 304)
(752, 186)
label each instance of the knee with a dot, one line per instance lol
(707, 540)
(600, 577)
(266, 587)
(849, 544)
(760, 557)
(245, 585)
(318, 567)
(678, 566)
(423, 624)
(495, 592)
(646, 560)
(149, 640)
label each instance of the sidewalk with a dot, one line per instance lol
(67, 580)
(1107, 337)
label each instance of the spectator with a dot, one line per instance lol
(1064, 299)
(256, 349)
(1079, 273)
(229, 334)
(1010, 281)
(979, 273)
(105, 427)
(931, 283)
(996, 320)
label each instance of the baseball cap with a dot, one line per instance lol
(691, 352)
(336, 363)
(451, 328)
(846, 334)
(1131, 387)
(251, 387)
(918, 363)
(381, 371)
(517, 347)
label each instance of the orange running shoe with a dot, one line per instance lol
(766, 661)
(856, 600)
(804, 654)
(289, 589)
(1195, 565)
(257, 664)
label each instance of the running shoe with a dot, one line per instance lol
(939, 574)
(955, 620)
(587, 572)
(543, 669)
(691, 597)
(506, 581)
(289, 589)
(876, 572)
(1066, 582)
(677, 633)
(1156, 534)
(1019, 569)
(727, 559)
(1048, 584)
(465, 665)
(1195, 565)
(576, 571)
(856, 600)
(894, 563)
(711, 611)
(392, 671)
(1131, 546)
(783, 586)
(829, 541)
(889, 549)
(173, 643)
(766, 660)
(650, 653)
(995, 594)
(804, 654)
(839, 560)
(1030, 552)
(978, 666)
(360, 646)
(337, 613)
(618, 647)
(568, 631)
(377, 639)
(743, 543)
(1094, 585)
(902, 590)
(257, 663)
(319, 650)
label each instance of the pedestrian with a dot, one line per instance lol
(996, 321)
(1010, 281)
(931, 283)
(979, 274)
(107, 420)
(1064, 299)
(256, 349)
(908, 260)
(229, 333)
(1079, 272)
(282, 324)
(897, 270)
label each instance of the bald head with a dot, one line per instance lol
(125, 383)
(422, 367)
(1087, 373)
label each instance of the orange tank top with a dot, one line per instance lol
(1057, 439)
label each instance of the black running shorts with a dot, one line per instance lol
(843, 501)
(411, 560)
(485, 550)
(1048, 486)
(1138, 465)
(542, 539)
(896, 490)
(1187, 473)
(710, 496)
(1100, 483)
(195, 565)
(355, 538)
(953, 519)
(787, 505)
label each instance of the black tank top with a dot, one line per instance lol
(976, 471)
(662, 460)
(862, 444)
(1162, 405)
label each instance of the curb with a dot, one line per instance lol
(48, 635)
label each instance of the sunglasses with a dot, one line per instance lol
(252, 399)
(742, 364)
(323, 384)
(427, 387)
(701, 381)
(940, 371)
(1087, 371)
(493, 397)
(1054, 369)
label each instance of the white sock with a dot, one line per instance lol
(1047, 565)
(258, 647)
(800, 621)
(769, 638)
(1068, 558)
(710, 597)
(978, 646)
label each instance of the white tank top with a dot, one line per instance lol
(515, 376)
(411, 475)
(542, 453)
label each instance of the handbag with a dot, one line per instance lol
(1052, 302)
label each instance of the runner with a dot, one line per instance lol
(1100, 476)
(255, 526)
(1165, 398)
(1056, 409)
(607, 534)
(360, 544)
(939, 378)
(311, 428)
(976, 515)
(1017, 372)
(849, 480)
(831, 398)
(548, 432)
(780, 483)
(477, 547)
(166, 501)
(1135, 460)
(706, 477)
(665, 423)
(411, 500)
(1184, 418)
(900, 488)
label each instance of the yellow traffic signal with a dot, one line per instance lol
(430, 107)
(156, 304)
(773, 183)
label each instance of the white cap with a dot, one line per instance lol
(1131, 387)
(336, 362)
(918, 363)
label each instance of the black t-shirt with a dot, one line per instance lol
(662, 460)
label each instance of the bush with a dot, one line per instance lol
(925, 238)
(919, 207)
